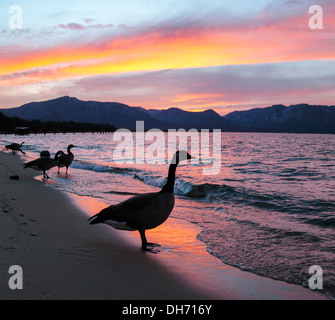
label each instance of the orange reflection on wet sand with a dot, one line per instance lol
(175, 235)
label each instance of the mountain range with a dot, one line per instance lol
(301, 118)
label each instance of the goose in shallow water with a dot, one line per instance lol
(65, 160)
(44, 163)
(143, 211)
(15, 147)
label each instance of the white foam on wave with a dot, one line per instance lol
(90, 166)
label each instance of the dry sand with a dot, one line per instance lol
(63, 257)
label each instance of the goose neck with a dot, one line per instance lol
(169, 186)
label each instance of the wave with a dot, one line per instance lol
(242, 196)
(222, 193)
(122, 193)
(150, 179)
(84, 165)
(299, 172)
(326, 222)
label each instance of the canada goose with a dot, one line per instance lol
(15, 147)
(44, 163)
(65, 160)
(143, 211)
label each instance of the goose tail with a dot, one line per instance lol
(102, 216)
(26, 165)
(29, 164)
(93, 219)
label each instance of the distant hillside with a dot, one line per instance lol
(208, 119)
(73, 109)
(302, 118)
(118, 114)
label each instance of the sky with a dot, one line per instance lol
(192, 54)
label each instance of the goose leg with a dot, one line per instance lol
(145, 243)
(45, 175)
(144, 240)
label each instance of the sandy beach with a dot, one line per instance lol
(62, 257)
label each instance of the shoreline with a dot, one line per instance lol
(44, 230)
(189, 259)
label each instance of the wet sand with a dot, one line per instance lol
(44, 231)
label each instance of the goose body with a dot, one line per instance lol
(15, 147)
(144, 211)
(138, 212)
(44, 163)
(65, 160)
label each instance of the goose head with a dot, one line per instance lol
(181, 155)
(45, 154)
(70, 146)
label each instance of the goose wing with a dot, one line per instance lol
(144, 211)
(35, 164)
(41, 164)
(65, 159)
(130, 211)
(12, 146)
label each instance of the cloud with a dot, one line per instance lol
(89, 20)
(71, 26)
(198, 58)
(217, 87)
(77, 26)
(183, 43)
(224, 88)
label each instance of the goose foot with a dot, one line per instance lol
(45, 176)
(151, 244)
(145, 249)
(146, 244)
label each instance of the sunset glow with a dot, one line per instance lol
(189, 55)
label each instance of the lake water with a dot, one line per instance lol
(270, 210)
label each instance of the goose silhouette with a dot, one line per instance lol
(15, 147)
(144, 211)
(44, 163)
(65, 160)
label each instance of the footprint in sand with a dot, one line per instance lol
(6, 208)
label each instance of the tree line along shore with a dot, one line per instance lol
(20, 126)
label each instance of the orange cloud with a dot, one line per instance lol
(169, 47)
(210, 47)
(162, 48)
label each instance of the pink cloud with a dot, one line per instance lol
(184, 49)
(72, 26)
